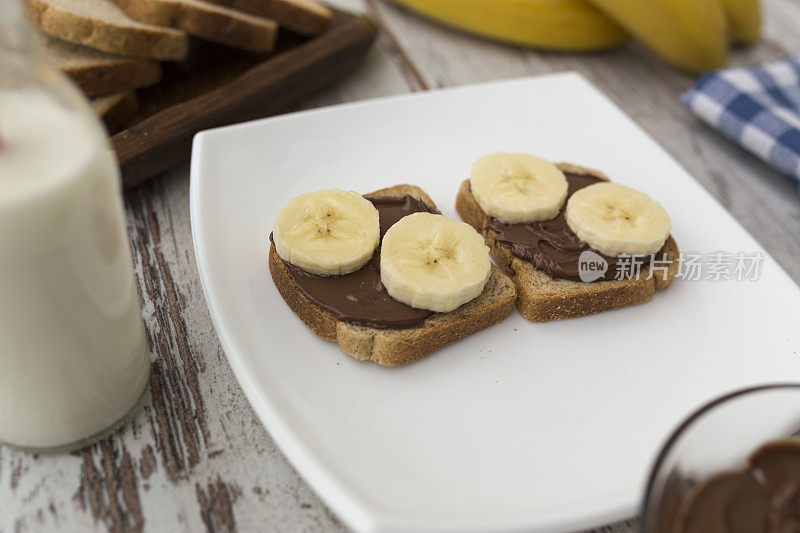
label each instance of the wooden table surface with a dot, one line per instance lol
(196, 456)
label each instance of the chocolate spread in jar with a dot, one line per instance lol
(360, 297)
(551, 246)
(764, 496)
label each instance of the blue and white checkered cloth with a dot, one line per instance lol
(758, 107)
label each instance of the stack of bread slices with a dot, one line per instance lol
(110, 48)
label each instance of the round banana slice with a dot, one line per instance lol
(518, 188)
(617, 220)
(328, 232)
(433, 262)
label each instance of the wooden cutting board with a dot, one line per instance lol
(221, 86)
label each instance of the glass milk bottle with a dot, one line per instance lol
(73, 356)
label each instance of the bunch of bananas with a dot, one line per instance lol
(690, 34)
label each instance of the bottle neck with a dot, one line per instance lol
(14, 28)
(20, 54)
(24, 68)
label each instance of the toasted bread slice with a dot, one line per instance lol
(98, 73)
(101, 25)
(393, 347)
(306, 17)
(116, 110)
(540, 297)
(206, 20)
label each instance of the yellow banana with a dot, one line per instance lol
(569, 25)
(691, 34)
(744, 17)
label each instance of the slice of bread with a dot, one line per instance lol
(98, 73)
(306, 17)
(540, 297)
(393, 347)
(116, 110)
(208, 21)
(101, 25)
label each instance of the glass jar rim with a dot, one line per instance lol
(676, 433)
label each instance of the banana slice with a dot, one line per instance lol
(617, 220)
(433, 262)
(328, 232)
(518, 188)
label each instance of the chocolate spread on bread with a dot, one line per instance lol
(764, 496)
(360, 297)
(551, 246)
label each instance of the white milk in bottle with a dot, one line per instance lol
(73, 355)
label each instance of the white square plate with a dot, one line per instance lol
(533, 427)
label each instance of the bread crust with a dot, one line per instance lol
(206, 20)
(542, 298)
(306, 17)
(135, 40)
(394, 347)
(114, 77)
